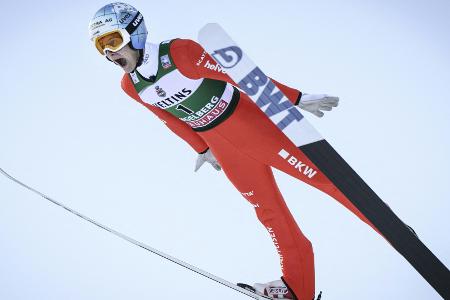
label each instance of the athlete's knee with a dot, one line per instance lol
(265, 215)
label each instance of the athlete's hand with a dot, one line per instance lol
(318, 103)
(208, 157)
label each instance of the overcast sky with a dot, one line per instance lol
(68, 130)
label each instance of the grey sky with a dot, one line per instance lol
(68, 130)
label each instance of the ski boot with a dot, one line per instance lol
(275, 289)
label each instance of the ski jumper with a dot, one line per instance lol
(180, 83)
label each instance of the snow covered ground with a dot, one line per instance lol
(68, 130)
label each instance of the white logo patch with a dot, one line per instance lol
(134, 77)
(165, 61)
(297, 164)
(248, 194)
(214, 67)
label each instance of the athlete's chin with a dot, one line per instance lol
(128, 67)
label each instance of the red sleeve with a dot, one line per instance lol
(180, 128)
(194, 62)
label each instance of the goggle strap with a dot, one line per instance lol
(137, 20)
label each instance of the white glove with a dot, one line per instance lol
(208, 157)
(316, 103)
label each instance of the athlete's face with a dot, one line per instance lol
(126, 58)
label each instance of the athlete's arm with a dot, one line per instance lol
(180, 128)
(194, 62)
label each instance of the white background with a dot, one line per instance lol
(68, 130)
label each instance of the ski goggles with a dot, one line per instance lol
(117, 39)
(113, 41)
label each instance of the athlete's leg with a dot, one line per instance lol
(256, 183)
(250, 130)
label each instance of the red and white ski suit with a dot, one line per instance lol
(247, 144)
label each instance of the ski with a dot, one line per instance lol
(351, 187)
(140, 244)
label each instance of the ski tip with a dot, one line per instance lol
(208, 29)
(210, 25)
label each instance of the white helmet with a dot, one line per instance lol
(120, 18)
